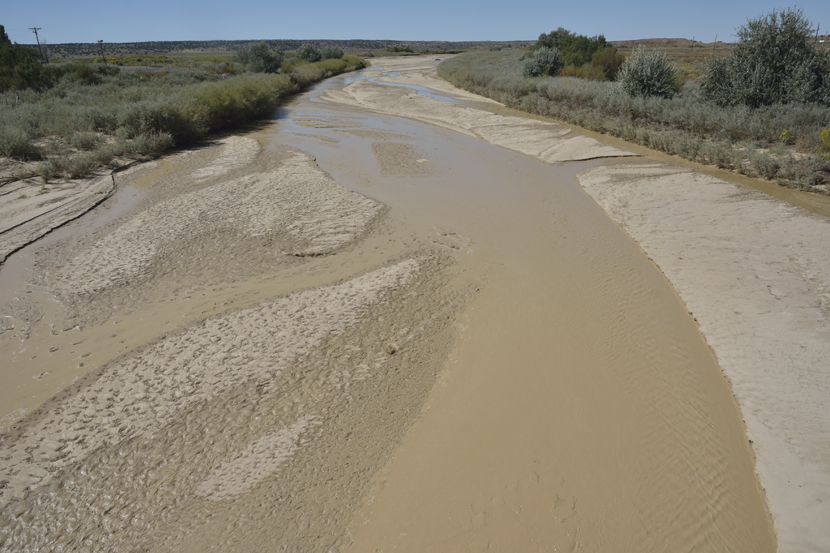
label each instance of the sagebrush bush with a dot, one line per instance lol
(648, 73)
(775, 61)
(544, 62)
(16, 143)
(309, 53)
(331, 53)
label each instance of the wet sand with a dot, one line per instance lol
(363, 329)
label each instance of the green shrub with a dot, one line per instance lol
(609, 61)
(260, 58)
(354, 63)
(332, 66)
(648, 73)
(152, 143)
(331, 53)
(824, 143)
(304, 75)
(309, 53)
(544, 62)
(84, 140)
(775, 61)
(127, 115)
(588, 72)
(16, 143)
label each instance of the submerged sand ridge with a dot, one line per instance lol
(374, 331)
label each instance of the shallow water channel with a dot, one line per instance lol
(581, 407)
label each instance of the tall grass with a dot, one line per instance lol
(89, 118)
(737, 138)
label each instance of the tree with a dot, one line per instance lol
(775, 61)
(19, 67)
(576, 49)
(648, 73)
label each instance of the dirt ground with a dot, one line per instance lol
(392, 319)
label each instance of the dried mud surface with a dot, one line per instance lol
(29, 211)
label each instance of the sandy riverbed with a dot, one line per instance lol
(383, 323)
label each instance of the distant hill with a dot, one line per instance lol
(205, 47)
(664, 43)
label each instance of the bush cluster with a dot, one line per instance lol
(260, 58)
(85, 121)
(576, 50)
(738, 138)
(310, 53)
(332, 53)
(775, 61)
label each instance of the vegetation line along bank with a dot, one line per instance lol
(763, 110)
(64, 121)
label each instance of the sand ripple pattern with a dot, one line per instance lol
(547, 141)
(143, 393)
(250, 467)
(237, 151)
(298, 204)
(755, 273)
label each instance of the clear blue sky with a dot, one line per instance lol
(121, 21)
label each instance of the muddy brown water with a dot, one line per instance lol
(576, 405)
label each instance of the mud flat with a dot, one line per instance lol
(231, 336)
(28, 212)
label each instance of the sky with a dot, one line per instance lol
(452, 20)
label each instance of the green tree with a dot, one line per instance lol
(19, 67)
(576, 49)
(775, 61)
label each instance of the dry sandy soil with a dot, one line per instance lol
(392, 320)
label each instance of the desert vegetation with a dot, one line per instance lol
(578, 56)
(784, 138)
(78, 117)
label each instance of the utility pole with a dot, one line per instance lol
(39, 49)
(101, 44)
